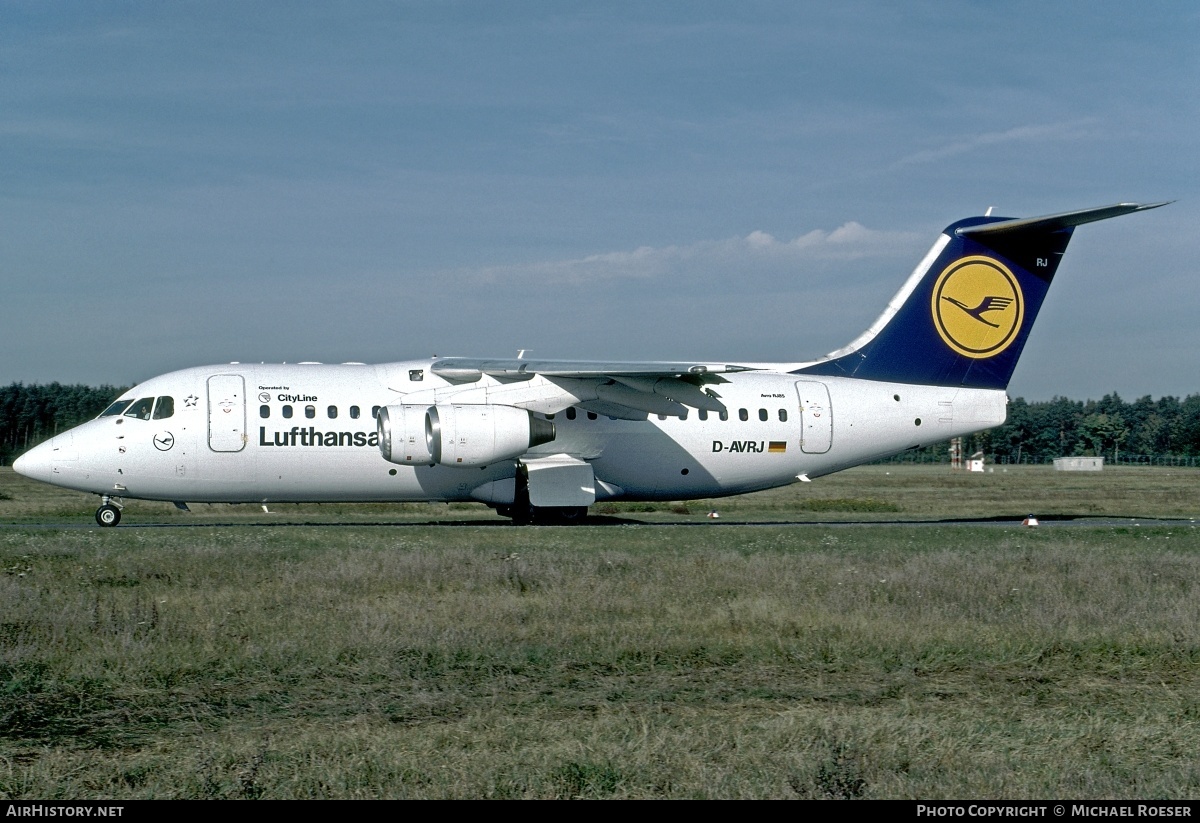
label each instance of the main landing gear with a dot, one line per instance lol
(109, 513)
(524, 513)
(544, 515)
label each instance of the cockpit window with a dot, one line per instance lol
(140, 408)
(164, 407)
(116, 408)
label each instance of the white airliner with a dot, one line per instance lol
(541, 440)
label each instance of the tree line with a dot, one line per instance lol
(1034, 433)
(1145, 430)
(31, 414)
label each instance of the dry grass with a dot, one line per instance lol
(818, 661)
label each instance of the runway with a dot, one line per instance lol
(1052, 523)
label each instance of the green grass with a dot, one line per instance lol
(868, 493)
(616, 660)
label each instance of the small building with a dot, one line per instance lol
(1078, 464)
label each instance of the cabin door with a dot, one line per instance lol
(226, 413)
(816, 417)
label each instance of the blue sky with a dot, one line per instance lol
(189, 183)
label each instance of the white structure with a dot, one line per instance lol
(1078, 464)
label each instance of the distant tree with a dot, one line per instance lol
(1103, 431)
(1188, 438)
(1036, 432)
(31, 414)
(1016, 437)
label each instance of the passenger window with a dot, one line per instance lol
(140, 408)
(571, 413)
(310, 412)
(287, 411)
(264, 411)
(164, 408)
(723, 415)
(684, 415)
(743, 414)
(783, 415)
(703, 414)
(115, 409)
(374, 412)
(662, 417)
(591, 415)
(549, 417)
(762, 415)
(332, 412)
(354, 412)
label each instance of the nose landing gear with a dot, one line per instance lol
(109, 513)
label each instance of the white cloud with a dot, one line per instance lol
(1049, 132)
(847, 242)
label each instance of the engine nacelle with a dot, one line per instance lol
(459, 435)
(405, 435)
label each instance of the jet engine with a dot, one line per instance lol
(453, 435)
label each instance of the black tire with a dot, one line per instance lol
(559, 515)
(572, 515)
(108, 515)
(520, 511)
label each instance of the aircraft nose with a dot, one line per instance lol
(35, 463)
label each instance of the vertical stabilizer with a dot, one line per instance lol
(964, 314)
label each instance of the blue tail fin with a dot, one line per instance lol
(964, 314)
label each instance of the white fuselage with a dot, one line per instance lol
(307, 433)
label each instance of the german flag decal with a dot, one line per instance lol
(777, 446)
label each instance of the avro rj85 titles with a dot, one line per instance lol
(541, 440)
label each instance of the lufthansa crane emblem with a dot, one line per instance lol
(977, 307)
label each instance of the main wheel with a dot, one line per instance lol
(572, 515)
(108, 515)
(559, 515)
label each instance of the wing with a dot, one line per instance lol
(616, 389)
(468, 368)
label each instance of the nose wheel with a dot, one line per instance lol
(108, 514)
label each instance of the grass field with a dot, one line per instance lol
(869, 493)
(744, 657)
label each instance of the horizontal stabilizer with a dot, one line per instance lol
(1054, 222)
